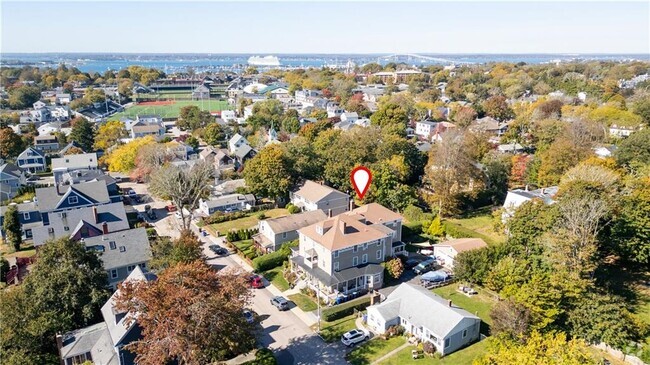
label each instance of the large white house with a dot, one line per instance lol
(426, 316)
(313, 196)
(446, 252)
(517, 197)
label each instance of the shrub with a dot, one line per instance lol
(394, 267)
(394, 331)
(263, 356)
(261, 216)
(345, 309)
(413, 213)
(292, 209)
(428, 348)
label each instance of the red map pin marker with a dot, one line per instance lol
(361, 178)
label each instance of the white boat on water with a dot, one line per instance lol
(264, 61)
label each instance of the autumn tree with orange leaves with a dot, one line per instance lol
(191, 314)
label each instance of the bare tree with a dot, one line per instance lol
(183, 186)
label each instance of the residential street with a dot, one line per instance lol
(284, 332)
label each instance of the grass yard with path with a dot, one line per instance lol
(172, 110)
(332, 331)
(303, 302)
(372, 350)
(26, 250)
(275, 277)
(246, 222)
(463, 356)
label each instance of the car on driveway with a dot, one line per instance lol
(218, 250)
(256, 281)
(280, 302)
(354, 337)
(250, 317)
(425, 266)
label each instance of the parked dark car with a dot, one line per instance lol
(218, 250)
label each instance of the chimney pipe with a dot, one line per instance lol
(59, 345)
(351, 204)
(526, 188)
(95, 214)
(329, 213)
(105, 228)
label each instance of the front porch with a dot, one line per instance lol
(340, 286)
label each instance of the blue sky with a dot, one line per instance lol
(326, 27)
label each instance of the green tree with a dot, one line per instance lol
(436, 229)
(23, 97)
(394, 267)
(192, 142)
(631, 227)
(11, 226)
(83, 133)
(64, 290)
(167, 253)
(11, 145)
(549, 348)
(600, 317)
(191, 118)
(388, 191)
(214, 134)
(268, 174)
(388, 114)
(634, 150)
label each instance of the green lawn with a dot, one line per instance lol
(275, 277)
(481, 222)
(304, 302)
(246, 222)
(332, 331)
(26, 250)
(172, 110)
(461, 357)
(481, 303)
(372, 350)
(247, 248)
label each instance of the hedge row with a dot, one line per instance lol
(274, 259)
(345, 309)
(240, 235)
(219, 217)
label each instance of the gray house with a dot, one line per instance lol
(227, 203)
(313, 196)
(11, 179)
(70, 163)
(103, 343)
(276, 231)
(121, 252)
(427, 316)
(343, 254)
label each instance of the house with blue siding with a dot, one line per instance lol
(31, 160)
(11, 179)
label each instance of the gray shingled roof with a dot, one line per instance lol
(49, 198)
(229, 199)
(423, 308)
(135, 243)
(75, 161)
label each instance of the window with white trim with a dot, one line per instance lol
(130, 268)
(355, 261)
(336, 254)
(446, 342)
(114, 274)
(336, 266)
(379, 254)
(73, 200)
(26, 216)
(355, 248)
(364, 258)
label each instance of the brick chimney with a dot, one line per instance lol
(105, 228)
(59, 345)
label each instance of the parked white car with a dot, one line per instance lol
(354, 337)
